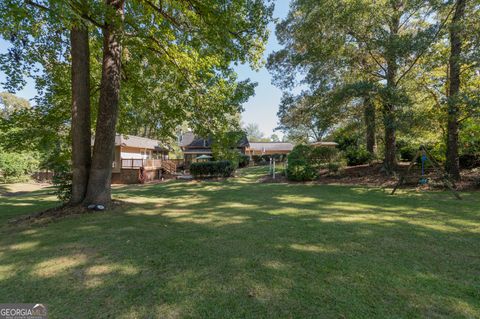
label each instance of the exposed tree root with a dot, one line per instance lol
(60, 212)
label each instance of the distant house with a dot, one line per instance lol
(193, 146)
(268, 148)
(139, 159)
(324, 144)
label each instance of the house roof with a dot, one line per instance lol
(190, 141)
(137, 141)
(271, 146)
(200, 143)
(197, 151)
(324, 144)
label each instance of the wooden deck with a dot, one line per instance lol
(133, 163)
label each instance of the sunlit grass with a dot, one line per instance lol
(242, 249)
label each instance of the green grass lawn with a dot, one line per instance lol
(241, 249)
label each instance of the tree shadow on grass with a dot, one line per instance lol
(224, 251)
(3, 189)
(26, 203)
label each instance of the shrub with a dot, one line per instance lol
(300, 152)
(212, 169)
(300, 170)
(62, 180)
(357, 156)
(304, 162)
(407, 152)
(16, 167)
(243, 161)
(258, 160)
(59, 163)
(324, 155)
(334, 167)
(468, 161)
(346, 137)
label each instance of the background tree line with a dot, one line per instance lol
(390, 75)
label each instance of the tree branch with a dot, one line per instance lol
(442, 25)
(34, 4)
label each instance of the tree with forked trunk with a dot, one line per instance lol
(183, 49)
(98, 191)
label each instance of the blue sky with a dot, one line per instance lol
(260, 109)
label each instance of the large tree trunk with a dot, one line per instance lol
(390, 159)
(370, 125)
(99, 190)
(452, 164)
(81, 134)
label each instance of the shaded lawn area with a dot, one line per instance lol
(241, 249)
(24, 198)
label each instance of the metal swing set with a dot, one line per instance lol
(443, 176)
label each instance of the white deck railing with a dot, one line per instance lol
(136, 163)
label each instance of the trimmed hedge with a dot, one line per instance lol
(212, 169)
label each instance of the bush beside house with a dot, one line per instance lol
(212, 169)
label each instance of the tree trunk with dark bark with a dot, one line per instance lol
(99, 188)
(452, 164)
(370, 125)
(81, 133)
(389, 120)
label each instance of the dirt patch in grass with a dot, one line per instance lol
(60, 212)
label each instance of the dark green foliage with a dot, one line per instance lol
(357, 156)
(259, 160)
(305, 161)
(62, 180)
(59, 163)
(243, 161)
(468, 161)
(301, 170)
(322, 155)
(212, 169)
(300, 151)
(334, 167)
(350, 143)
(346, 137)
(16, 167)
(470, 144)
(225, 146)
(407, 152)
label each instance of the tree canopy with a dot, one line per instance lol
(354, 58)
